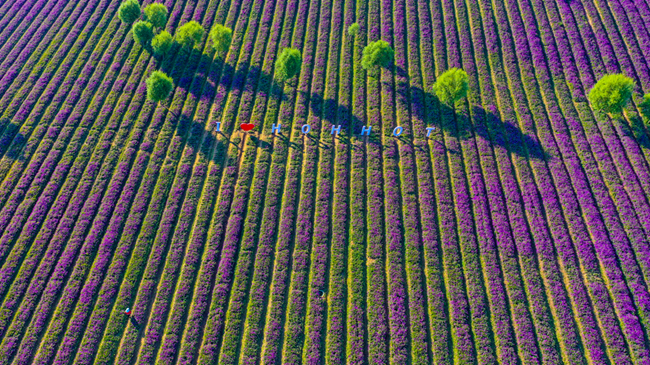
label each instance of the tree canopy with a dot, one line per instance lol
(288, 64)
(129, 11)
(159, 85)
(377, 54)
(221, 37)
(452, 86)
(142, 32)
(156, 14)
(353, 29)
(611, 93)
(189, 34)
(162, 43)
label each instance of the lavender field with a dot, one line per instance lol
(514, 230)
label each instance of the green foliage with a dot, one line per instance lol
(189, 34)
(611, 93)
(129, 11)
(288, 64)
(159, 85)
(451, 86)
(162, 43)
(221, 37)
(156, 14)
(377, 54)
(645, 106)
(142, 32)
(353, 29)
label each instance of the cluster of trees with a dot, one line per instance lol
(450, 87)
(150, 33)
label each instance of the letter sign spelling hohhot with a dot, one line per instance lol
(366, 130)
(397, 131)
(305, 128)
(276, 128)
(429, 130)
(337, 129)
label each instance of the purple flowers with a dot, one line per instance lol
(515, 233)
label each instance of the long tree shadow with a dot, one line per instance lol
(214, 71)
(635, 129)
(12, 141)
(486, 124)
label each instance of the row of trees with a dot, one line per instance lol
(451, 86)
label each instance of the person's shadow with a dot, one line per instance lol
(135, 323)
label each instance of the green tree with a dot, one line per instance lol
(353, 29)
(142, 32)
(451, 86)
(611, 93)
(129, 11)
(156, 14)
(288, 64)
(162, 43)
(221, 37)
(159, 85)
(189, 34)
(377, 54)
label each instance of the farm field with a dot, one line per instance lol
(361, 220)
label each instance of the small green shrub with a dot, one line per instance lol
(162, 43)
(129, 11)
(189, 34)
(221, 37)
(156, 14)
(611, 93)
(288, 64)
(451, 86)
(377, 54)
(353, 29)
(142, 32)
(159, 85)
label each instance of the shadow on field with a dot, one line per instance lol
(635, 129)
(498, 132)
(220, 74)
(486, 124)
(11, 140)
(196, 138)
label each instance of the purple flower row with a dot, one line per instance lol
(487, 126)
(356, 335)
(38, 206)
(612, 218)
(36, 73)
(249, 80)
(29, 56)
(317, 304)
(578, 181)
(108, 235)
(152, 235)
(31, 20)
(245, 322)
(303, 327)
(201, 300)
(337, 289)
(377, 306)
(62, 184)
(422, 110)
(546, 138)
